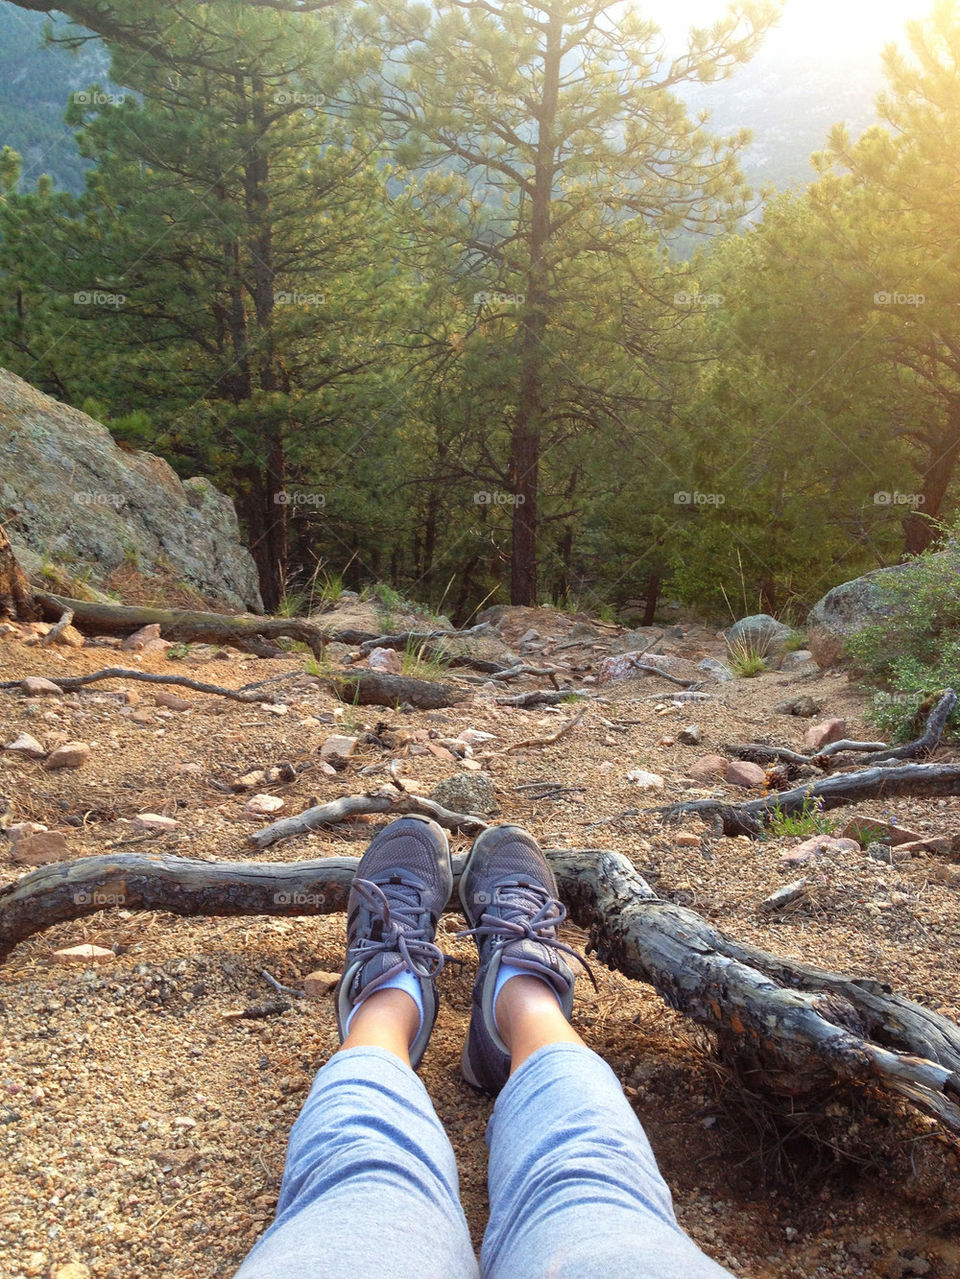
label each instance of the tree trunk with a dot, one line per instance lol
(16, 598)
(525, 437)
(918, 531)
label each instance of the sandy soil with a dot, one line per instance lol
(143, 1131)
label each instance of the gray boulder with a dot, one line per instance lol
(760, 633)
(72, 496)
(466, 793)
(852, 606)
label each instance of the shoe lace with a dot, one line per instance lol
(527, 911)
(403, 930)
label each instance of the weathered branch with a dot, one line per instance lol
(537, 697)
(922, 746)
(55, 632)
(551, 737)
(348, 806)
(70, 683)
(795, 1027)
(830, 792)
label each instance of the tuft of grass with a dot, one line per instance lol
(809, 821)
(746, 659)
(418, 662)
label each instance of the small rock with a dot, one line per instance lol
(130, 697)
(645, 781)
(686, 840)
(802, 707)
(37, 686)
(142, 717)
(194, 767)
(338, 747)
(19, 830)
(712, 768)
(264, 804)
(820, 735)
(880, 853)
(72, 1270)
(799, 662)
(275, 708)
(26, 746)
(818, 846)
(39, 850)
(741, 772)
(865, 829)
(154, 821)
(789, 895)
(470, 792)
(385, 659)
(943, 845)
(529, 636)
(172, 702)
(473, 736)
(70, 755)
(249, 780)
(667, 741)
(471, 765)
(690, 736)
(139, 640)
(318, 984)
(183, 1121)
(716, 669)
(70, 637)
(328, 770)
(82, 954)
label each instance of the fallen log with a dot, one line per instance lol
(538, 697)
(828, 792)
(795, 1028)
(551, 737)
(241, 630)
(922, 746)
(377, 688)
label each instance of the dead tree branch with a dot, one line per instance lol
(70, 683)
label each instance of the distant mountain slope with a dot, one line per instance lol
(790, 94)
(35, 83)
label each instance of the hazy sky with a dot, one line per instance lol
(806, 23)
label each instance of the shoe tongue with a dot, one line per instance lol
(384, 962)
(539, 960)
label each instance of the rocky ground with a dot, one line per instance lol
(143, 1124)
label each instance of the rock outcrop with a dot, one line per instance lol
(70, 494)
(853, 605)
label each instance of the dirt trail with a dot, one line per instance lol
(142, 1132)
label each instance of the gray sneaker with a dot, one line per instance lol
(401, 887)
(509, 898)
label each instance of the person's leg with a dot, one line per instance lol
(370, 1185)
(575, 1192)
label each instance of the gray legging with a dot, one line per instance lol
(370, 1187)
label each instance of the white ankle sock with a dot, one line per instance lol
(404, 980)
(506, 971)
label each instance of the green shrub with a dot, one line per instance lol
(915, 651)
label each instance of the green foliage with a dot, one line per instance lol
(419, 663)
(809, 821)
(746, 659)
(915, 651)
